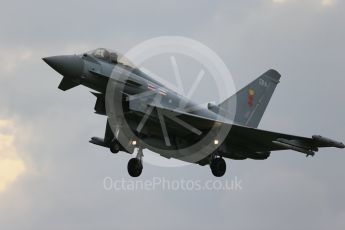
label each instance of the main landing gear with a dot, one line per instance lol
(218, 166)
(135, 165)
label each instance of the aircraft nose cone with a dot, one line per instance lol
(67, 65)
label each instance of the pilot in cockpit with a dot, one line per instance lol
(113, 58)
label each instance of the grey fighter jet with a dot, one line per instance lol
(149, 115)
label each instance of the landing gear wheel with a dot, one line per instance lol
(218, 167)
(134, 167)
(114, 147)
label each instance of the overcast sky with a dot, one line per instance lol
(51, 177)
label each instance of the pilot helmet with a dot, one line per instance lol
(113, 57)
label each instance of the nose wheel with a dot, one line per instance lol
(135, 166)
(218, 166)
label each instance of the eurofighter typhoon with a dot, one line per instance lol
(142, 113)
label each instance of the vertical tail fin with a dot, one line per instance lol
(252, 100)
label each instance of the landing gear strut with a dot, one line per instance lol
(135, 166)
(218, 166)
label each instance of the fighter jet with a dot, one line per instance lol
(155, 117)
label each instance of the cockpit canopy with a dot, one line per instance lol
(111, 57)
